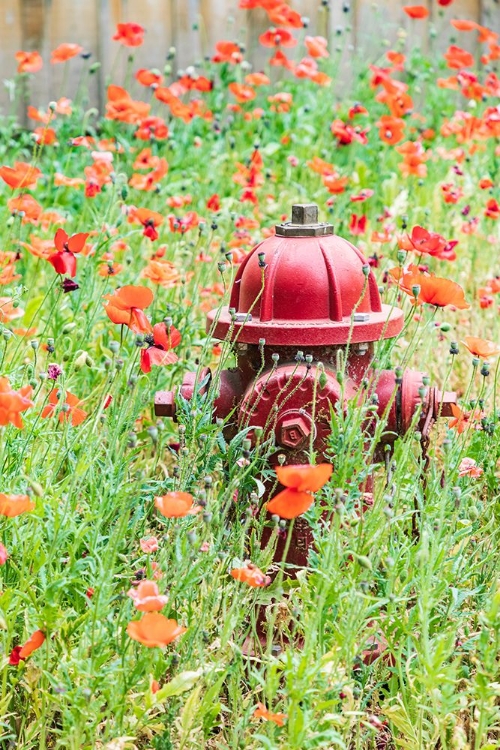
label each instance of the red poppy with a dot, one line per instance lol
(277, 38)
(12, 403)
(492, 210)
(416, 11)
(300, 482)
(129, 34)
(444, 3)
(154, 629)
(15, 505)
(150, 220)
(213, 203)
(21, 175)
(29, 62)
(69, 411)
(161, 342)
(481, 347)
(177, 505)
(251, 575)
(65, 52)
(357, 224)
(64, 261)
(126, 305)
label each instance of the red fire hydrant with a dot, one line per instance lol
(304, 300)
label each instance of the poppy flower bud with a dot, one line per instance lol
(258, 431)
(119, 364)
(485, 370)
(426, 380)
(454, 347)
(7, 334)
(80, 361)
(221, 267)
(281, 459)
(415, 290)
(114, 346)
(475, 361)
(94, 68)
(275, 357)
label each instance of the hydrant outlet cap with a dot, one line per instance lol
(304, 223)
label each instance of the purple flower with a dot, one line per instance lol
(68, 285)
(53, 371)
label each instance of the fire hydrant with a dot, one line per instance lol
(303, 300)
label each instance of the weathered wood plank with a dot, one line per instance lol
(10, 43)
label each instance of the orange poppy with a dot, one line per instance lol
(227, 52)
(251, 575)
(65, 52)
(304, 477)
(154, 629)
(463, 24)
(458, 58)
(20, 653)
(277, 38)
(481, 347)
(391, 129)
(241, 92)
(282, 15)
(129, 34)
(12, 403)
(148, 77)
(29, 62)
(257, 79)
(21, 175)
(316, 46)
(70, 410)
(469, 468)
(159, 352)
(126, 305)
(45, 136)
(176, 505)
(15, 505)
(120, 106)
(416, 11)
(147, 598)
(433, 290)
(34, 642)
(300, 482)
(261, 712)
(463, 420)
(8, 311)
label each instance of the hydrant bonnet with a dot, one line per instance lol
(305, 286)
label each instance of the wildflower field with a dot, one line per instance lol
(143, 603)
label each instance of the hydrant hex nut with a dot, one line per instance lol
(293, 430)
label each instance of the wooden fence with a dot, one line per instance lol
(193, 27)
